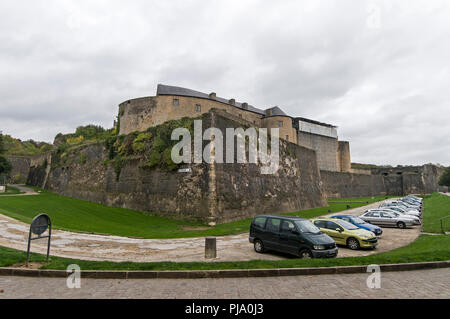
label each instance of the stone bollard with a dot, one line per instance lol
(210, 248)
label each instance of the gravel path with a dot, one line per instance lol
(26, 190)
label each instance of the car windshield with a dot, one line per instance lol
(346, 225)
(305, 226)
(358, 221)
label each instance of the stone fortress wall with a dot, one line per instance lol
(171, 103)
(21, 166)
(211, 193)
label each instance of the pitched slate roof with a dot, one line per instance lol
(179, 91)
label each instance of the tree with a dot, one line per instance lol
(5, 165)
(445, 178)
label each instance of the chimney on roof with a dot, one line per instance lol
(232, 102)
(245, 105)
(212, 95)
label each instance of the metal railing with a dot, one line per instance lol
(442, 223)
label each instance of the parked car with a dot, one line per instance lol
(411, 202)
(401, 210)
(400, 202)
(420, 199)
(401, 205)
(383, 218)
(361, 224)
(345, 233)
(414, 218)
(292, 235)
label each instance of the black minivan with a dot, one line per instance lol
(292, 235)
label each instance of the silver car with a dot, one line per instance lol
(416, 219)
(401, 205)
(401, 210)
(384, 218)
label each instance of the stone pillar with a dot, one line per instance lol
(344, 163)
(210, 248)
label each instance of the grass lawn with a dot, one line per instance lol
(82, 216)
(426, 248)
(436, 206)
(11, 191)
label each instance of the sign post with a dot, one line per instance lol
(38, 226)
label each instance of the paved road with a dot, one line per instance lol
(410, 284)
(14, 234)
(23, 188)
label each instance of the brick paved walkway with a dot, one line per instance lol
(410, 284)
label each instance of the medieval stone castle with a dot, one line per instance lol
(171, 103)
(314, 166)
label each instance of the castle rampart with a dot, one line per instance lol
(172, 103)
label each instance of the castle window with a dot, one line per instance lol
(198, 108)
(287, 137)
(280, 123)
(176, 102)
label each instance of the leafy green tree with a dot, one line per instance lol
(5, 165)
(445, 178)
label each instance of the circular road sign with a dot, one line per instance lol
(40, 224)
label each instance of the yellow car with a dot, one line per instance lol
(345, 233)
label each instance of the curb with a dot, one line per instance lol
(238, 273)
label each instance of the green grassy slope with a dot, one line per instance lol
(82, 216)
(436, 206)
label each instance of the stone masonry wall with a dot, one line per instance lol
(326, 148)
(140, 114)
(208, 192)
(20, 169)
(390, 181)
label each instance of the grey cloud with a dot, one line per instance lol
(64, 64)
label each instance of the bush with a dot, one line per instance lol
(75, 140)
(118, 165)
(89, 131)
(140, 140)
(445, 178)
(83, 158)
(154, 159)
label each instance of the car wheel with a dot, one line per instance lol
(306, 254)
(401, 225)
(353, 243)
(259, 247)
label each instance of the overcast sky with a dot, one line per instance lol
(377, 69)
